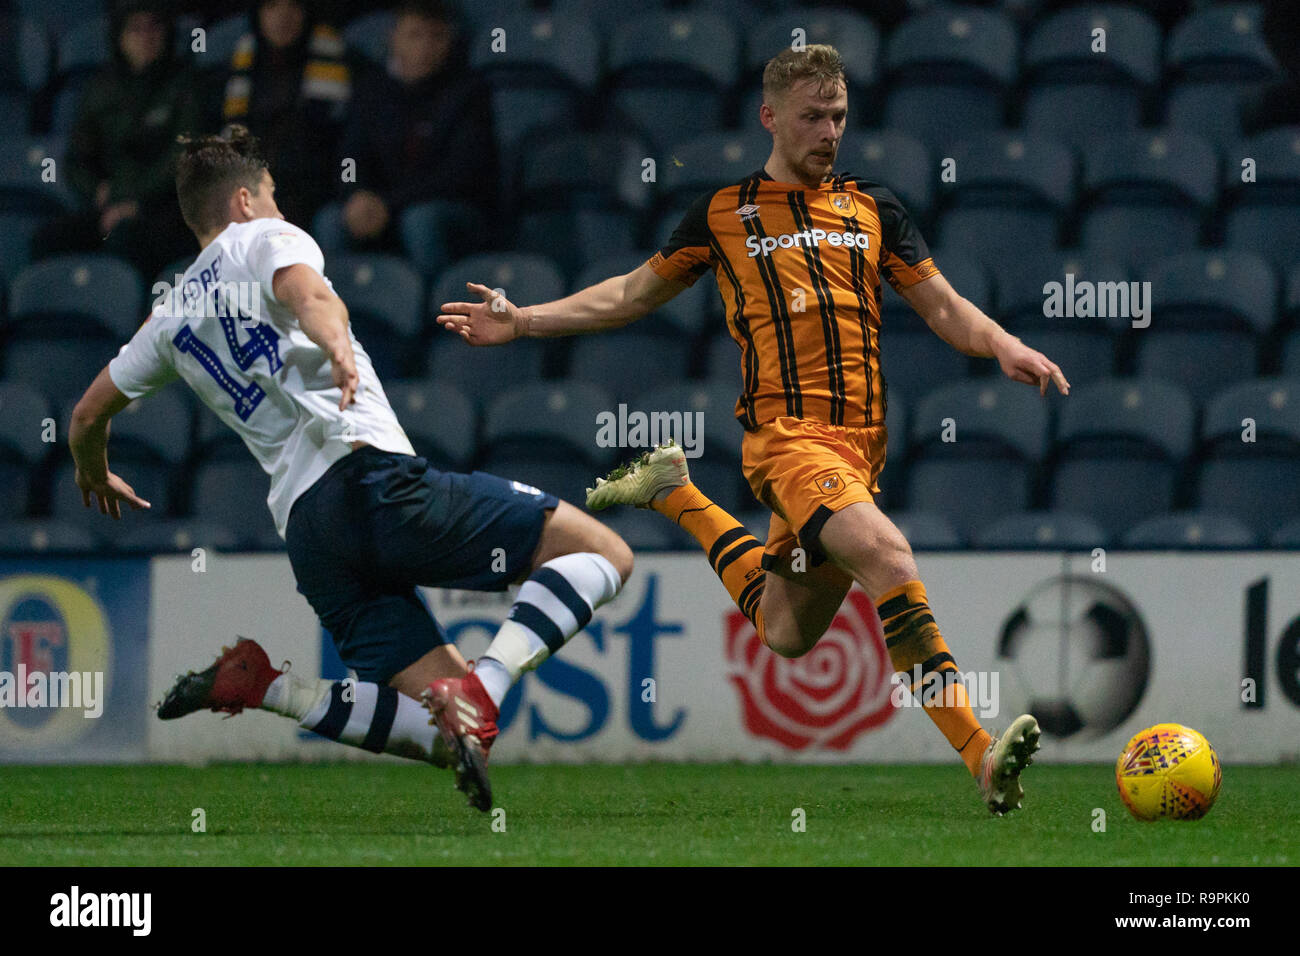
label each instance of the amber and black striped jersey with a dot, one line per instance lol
(799, 271)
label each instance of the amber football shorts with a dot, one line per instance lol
(805, 472)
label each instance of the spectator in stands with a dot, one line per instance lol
(122, 146)
(290, 85)
(420, 132)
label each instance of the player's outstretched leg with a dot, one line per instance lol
(578, 566)
(356, 713)
(999, 776)
(659, 479)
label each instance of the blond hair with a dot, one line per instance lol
(817, 61)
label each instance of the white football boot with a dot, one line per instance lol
(1006, 757)
(637, 482)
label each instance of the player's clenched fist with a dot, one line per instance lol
(494, 321)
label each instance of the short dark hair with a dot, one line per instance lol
(210, 168)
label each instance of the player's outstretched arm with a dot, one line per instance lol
(961, 324)
(324, 319)
(611, 304)
(88, 440)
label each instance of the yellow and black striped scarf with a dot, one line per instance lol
(325, 77)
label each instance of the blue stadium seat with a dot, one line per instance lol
(54, 16)
(160, 425)
(221, 39)
(481, 374)
(29, 536)
(657, 60)
(1120, 448)
(927, 530)
(1076, 94)
(229, 489)
(891, 476)
(551, 421)
(23, 164)
(1042, 530)
(604, 17)
(646, 530)
(896, 160)
(150, 478)
(918, 360)
(15, 119)
(723, 363)
(434, 232)
(686, 314)
(25, 58)
(23, 417)
(1210, 110)
(709, 162)
(368, 35)
(98, 290)
(439, 419)
(1009, 195)
(1190, 529)
(1221, 43)
(543, 76)
(949, 70)
(964, 273)
(991, 467)
(385, 300)
(625, 363)
(1148, 193)
(1211, 308)
(155, 534)
(581, 196)
(721, 435)
(850, 32)
(1257, 482)
(1262, 214)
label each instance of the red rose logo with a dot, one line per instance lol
(827, 697)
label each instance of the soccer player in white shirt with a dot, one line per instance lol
(255, 329)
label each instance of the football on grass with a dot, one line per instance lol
(1168, 772)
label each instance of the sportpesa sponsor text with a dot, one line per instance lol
(765, 245)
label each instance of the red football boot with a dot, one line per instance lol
(238, 679)
(467, 722)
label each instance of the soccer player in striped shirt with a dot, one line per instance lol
(813, 400)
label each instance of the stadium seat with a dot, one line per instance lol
(385, 300)
(42, 535)
(25, 58)
(709, 162)
(716, 406)
(965, 273)
(1147, 194)
(54, 16)
(543, 76)
(1119, 451)
(1020, 281)
(151, 479)
(1262, 213)
(603, 16)
(97, 289)
(160, 424)
(1076, 94)
(657, 61)
(435, 232)
(1009, 193)
(948, 71)
(83, 46)
(229, 489)
(1042, 530)
(850, 32)
(927, 530)
(481, 374)
(221, 39)
(581, 196)
(918, 359)
(686, 314)
(16, 233)
(551, 421)
(24, 415)
(1212, 308)
(1287, 536)
(439, 420)
(724, 362)
(23, 167)
(896, 422)
(1190, 529)
(1223, 42)
(1258, 482)
(896, 160)
(646, 530)
(1000, 432)
(524, 279)
(625, 363)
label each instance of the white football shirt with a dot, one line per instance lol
(223, 331)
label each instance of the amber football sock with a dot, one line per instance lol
(735, 555)
(913, 638)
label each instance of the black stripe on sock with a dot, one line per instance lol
(336, 716)
(531, 617)
(895, 605)
(743, 548)
(725, 540)
(943, 657)
(750, 596)
(907, 628)
(559, 585)
(381, 725)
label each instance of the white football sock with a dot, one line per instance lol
(554, 603)
(356, 713)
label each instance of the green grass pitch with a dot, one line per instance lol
(665, 814)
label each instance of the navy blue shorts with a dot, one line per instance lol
(377, 524)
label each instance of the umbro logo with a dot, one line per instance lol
(747, 211)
